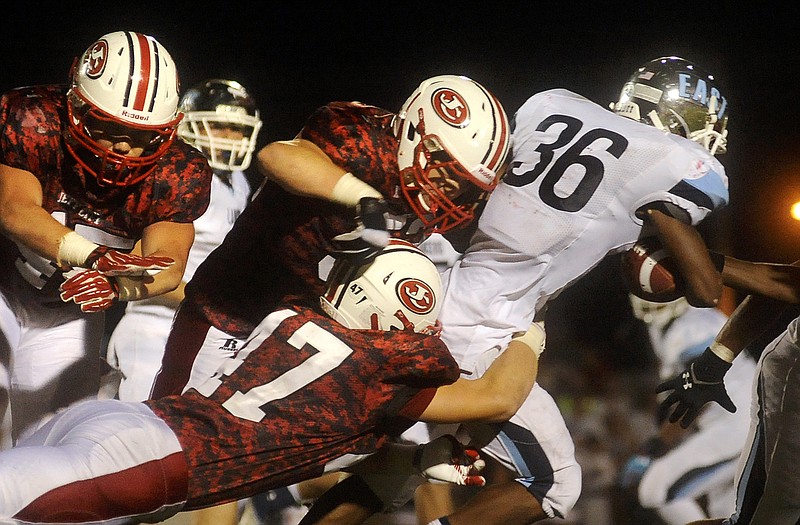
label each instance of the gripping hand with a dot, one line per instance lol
(370, 235)
(112, 262)
(446, 459)
(90, 289)
(694, 387)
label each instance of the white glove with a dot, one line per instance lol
(446, 459)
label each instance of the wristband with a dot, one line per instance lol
(349, 190)
(73, 250)
(533, 338)
(722, 351)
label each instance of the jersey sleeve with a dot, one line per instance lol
(417, 360)
(702, 190)
(182, 188)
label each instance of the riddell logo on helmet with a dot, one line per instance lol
(134, 116)
(95, 59)
(450, 106)
(416, 295)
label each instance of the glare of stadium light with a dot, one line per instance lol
(795, 211)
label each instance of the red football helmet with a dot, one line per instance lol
(454, 139)
(124, 89)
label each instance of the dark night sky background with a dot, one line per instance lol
(295, 56)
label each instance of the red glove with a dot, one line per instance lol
(446, 459)
(112, 262)
(90, 289)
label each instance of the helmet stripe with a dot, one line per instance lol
(155, 77)
(144, 73)
(499, 136)
(131, 62)
(494, 164)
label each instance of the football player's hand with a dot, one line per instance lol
(694, 387)
(370, 235)
(112, 262)
(446, 459)
(90, 289)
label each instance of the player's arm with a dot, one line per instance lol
(163, 239)
(702, 279)
(22, 217)
(777, 281)
(301, 167)
(703, 380)
(498, 393)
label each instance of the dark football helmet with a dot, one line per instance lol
(675, 95)
(221, 119)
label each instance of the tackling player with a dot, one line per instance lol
(428, 168)
(306, 393)
(87, 170)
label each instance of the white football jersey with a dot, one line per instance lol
(578, 175)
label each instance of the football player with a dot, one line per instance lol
(221, 119)
(682, 468)
(584, 182)
(428, 168)
(87, 170)
(313, 389)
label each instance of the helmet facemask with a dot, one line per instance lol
(221, 120)
(226, 141)
(89, 125)
(438, 188)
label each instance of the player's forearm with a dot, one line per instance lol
(494, 397)
(751, 317)
(301, 168)
(777, 281)
(702, 281)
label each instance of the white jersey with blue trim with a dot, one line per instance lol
(578, 175)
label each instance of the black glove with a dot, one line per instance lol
(694, 387)
(370, 235)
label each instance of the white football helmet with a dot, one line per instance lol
(675, 95)
(454, 140)
(399, 290)
(127, 82)
(220, 104)
(658, 314)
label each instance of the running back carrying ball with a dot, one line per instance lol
(649, 272)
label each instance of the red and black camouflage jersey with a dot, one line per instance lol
(304, 392)
(272, 253)
(32, 126)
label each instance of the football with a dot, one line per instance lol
(649, 272)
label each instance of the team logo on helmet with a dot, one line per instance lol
(451, 107)
(95, 59)
(416, 295)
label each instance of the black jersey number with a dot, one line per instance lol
(593, 166)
